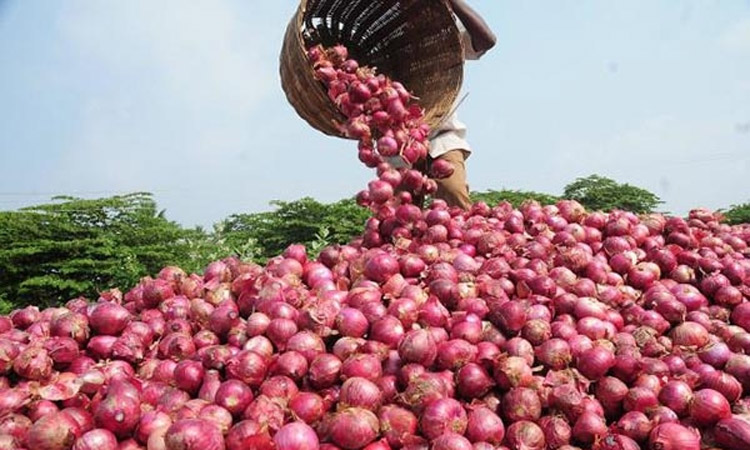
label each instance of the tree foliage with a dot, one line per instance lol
(304, 221)
(738, 214)
(53, 252)
(514, 197)
(600, 193)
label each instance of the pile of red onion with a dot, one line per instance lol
(496, 328)
(388, 125)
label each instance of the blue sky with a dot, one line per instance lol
(183, 99)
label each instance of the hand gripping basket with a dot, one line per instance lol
(415, 42)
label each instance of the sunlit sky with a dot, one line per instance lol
(182, 99)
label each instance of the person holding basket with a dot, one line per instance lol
(448, 140)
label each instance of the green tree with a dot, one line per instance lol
(600, 193)
(304, 221)
(738, 214)
(53, 252)
(514, 197)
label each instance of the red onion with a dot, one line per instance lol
(149, 422)
(397, 424)
(267, 411)
(596, 362)
(708, 407)
(218, 416)
(511, 372)
(449, 440)
(81, 417)
(33, 363)
(280, 387)
(16, 426)
(324, 371)
(473, 381)
(234, 396)
(118, 413)
(739, 367)
(188, 376)
(610, 392)
(306, 343)
(353, 428)
(484, 426)
(715, 354)
(291, 364)
(521, 404)
(418, 346)
(525, 435)
(73, 325)
(351, 322)
(194, 434)
(248, 367)
(361, 393)
(443, 415)
(257, 324)
(673, 436)
(732, 434)
(249, 434)
(635, 425)
(454, 354)
(556, 430)
(510, 318)
(588, 428)
(520, 347)
(40, 408)
(677, 396)
(723, 383)
(97, 439)
(307, 407)
(109, 318)
(362, 365)
(53, 432)
(741, 316)
(640, 399)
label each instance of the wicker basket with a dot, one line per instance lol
(415, 42)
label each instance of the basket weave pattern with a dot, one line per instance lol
(415, 42)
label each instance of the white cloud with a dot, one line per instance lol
(737, 36)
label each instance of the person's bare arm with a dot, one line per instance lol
(482, 37)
